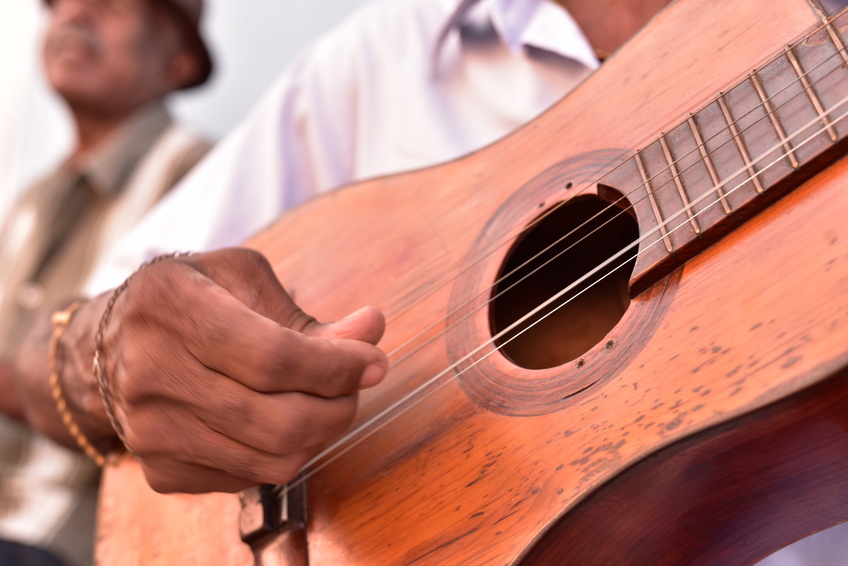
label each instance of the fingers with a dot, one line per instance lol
(220, 381)
(266, 296)
(168, 477)
(267, 357)
(174, 422)
(186, 473)
(232, 463)
(223, 334)
(247, 276)
(279, 423)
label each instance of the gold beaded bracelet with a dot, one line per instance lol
(61, 320)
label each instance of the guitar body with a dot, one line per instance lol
(707, 424)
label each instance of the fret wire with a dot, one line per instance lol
(680, 190)
(837, 41)
(739, 145)
(814, 99)
(790, 153)
(705, 157)
(653, 200)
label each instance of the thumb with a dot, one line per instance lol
(366, 324)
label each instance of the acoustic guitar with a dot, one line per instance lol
(618, 336)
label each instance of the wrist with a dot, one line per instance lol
(75, 379)
(60, 321)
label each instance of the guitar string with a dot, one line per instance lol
(376, 423)
(498, 244)
(743, 169)
(345, 444)
(631, 245)
(614, 205)
(812, 122)
(509, 237)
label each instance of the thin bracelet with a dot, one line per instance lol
(97, 367)
(61, 320)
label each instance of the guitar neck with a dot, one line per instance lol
(754, 142)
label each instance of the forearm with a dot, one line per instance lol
(73, 364)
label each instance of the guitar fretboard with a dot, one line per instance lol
(750, 145)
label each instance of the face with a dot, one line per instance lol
(109, 55)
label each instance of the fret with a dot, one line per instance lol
(748, 146)
(790, 152)
(792, 106)
(737, 138)
(654, 206)
(705, 157)
(687, 206)
(814, 99)
(837, 42)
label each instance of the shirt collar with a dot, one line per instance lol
(542, 24)
(108, 167)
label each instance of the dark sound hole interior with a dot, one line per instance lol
(564, 251)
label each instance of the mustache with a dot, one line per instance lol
(73, 33)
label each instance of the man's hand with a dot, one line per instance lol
(220, 382)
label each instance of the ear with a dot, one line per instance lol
(183, 69)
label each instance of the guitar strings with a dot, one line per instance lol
(345, 444)
(695, 202)
(498, 244)
(543, 251)
(508, 237)
(614, 205)
(393, 411)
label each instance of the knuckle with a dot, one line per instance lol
(300, 428)
(285, 468)
(213, 333)
(231, 412)
(256, 259)
(279, 365)
(278, 440)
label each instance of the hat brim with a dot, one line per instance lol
(196, 45)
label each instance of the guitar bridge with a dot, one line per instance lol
(269, 510)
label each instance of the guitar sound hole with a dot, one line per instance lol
(560, 252)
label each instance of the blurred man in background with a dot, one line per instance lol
(113, 62)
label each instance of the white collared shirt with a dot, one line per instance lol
(402, 84)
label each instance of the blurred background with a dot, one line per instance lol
(252, 42)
